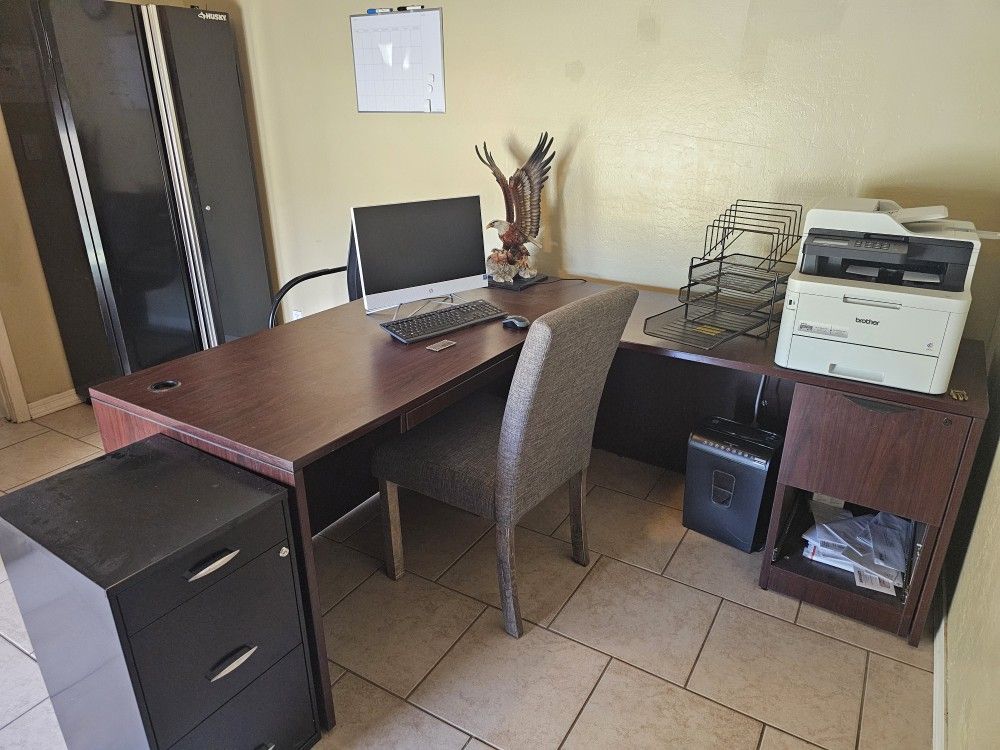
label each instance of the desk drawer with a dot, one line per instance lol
(275, 711)
(200, 655)
(192, 572)
(880, 454)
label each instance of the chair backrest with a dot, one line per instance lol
(548, 424)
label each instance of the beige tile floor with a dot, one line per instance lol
(664, 640)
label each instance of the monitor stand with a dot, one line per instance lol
(519, 283)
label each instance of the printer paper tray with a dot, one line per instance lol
(913, 372)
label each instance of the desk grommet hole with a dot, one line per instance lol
(164, 385)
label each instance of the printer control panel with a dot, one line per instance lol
(876, 244)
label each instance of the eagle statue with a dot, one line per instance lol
(522, 198)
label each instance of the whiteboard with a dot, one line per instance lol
(399, 61)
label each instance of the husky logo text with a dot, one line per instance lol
(212, 16)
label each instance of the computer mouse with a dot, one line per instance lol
(516, 321)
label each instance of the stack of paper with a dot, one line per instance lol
(874, 547)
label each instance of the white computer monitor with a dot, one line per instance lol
(412, 251)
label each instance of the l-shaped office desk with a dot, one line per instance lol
(305, 403)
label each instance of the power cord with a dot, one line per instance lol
(756, 403)
(560, 278)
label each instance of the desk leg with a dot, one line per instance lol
(316, 642)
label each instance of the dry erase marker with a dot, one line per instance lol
(378, 11)
(410, 7)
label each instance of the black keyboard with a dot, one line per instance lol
(430, 324)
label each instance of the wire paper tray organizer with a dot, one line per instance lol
(735, 286)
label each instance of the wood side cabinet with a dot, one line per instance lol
(907, 456)
(158, 586)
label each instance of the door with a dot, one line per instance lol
(113, 147)
(200, 53)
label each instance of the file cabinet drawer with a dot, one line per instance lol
(880, 454)
(197, 657)
(191, 572)
(275, 711)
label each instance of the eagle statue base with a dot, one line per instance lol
(504, 265)
(522, 198)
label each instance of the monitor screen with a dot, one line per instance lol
(409, 251)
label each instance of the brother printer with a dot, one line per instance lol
(879, 294)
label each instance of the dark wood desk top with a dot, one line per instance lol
(290, 395)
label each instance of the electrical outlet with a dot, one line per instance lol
(296, 314)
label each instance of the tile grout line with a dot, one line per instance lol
(464, 552)
(786, 731)
(448, 651)
(586, 575)
(585, 702)
(703, 642)
(658, 677)
(26, 711)
(611, 656)
(95, 453)
(760, 740)
(861, 708)
(673, 554)
(404, 700)
(863, 648)
(490, 608)
(24, 440)
(361, 583)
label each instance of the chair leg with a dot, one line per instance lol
(578, 527)
(508, 586)
(392, 533)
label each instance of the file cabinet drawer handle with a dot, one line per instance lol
(231, 662)
(212, 564)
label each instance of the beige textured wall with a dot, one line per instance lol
(24, 297)
(663, 113)
(973, 642)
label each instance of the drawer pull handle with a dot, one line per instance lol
(207, 567)
(872, 303)
(850, 372)
(268, 746)
(879, 406)
(231, 663)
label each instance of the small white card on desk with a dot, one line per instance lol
(443, 344)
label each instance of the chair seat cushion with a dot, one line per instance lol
(451, 457)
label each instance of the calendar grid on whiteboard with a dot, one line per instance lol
(399, 61)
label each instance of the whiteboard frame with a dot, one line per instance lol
(357, 97)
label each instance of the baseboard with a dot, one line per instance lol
(940, 709)
(56, 402)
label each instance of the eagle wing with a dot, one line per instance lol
(505, 188)
(526, 187)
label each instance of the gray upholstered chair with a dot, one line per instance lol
(499, 459)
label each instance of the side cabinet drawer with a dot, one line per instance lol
(876, 453)
(195, 570)
(275, 711)
(197, 657)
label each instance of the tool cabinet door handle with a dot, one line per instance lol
(231, 662)
(212, 564)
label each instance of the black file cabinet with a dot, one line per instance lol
(159, 589)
